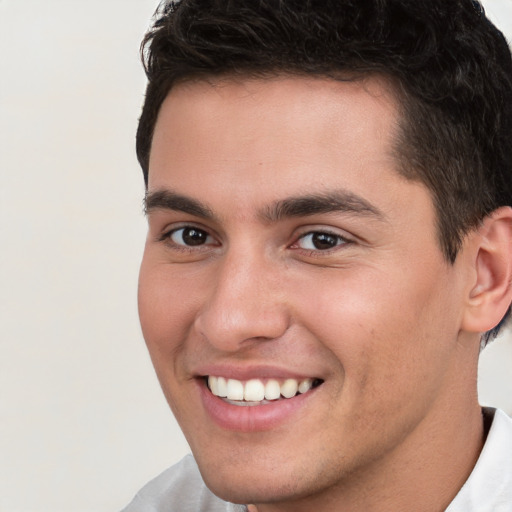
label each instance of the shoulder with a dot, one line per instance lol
(489, 487)
(179, 488)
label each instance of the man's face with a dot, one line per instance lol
(284, 245)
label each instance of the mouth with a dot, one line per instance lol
(256, 392)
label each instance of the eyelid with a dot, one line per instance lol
(311, 230)
(168, 231)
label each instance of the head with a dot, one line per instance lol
(327, 202)
(451, 71)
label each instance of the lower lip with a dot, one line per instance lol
(255, 418)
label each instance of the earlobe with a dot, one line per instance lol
(491, 293)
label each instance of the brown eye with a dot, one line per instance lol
(190, 236)
(320, 241)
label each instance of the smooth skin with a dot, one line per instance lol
(377, 313)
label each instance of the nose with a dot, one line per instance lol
(245, 303)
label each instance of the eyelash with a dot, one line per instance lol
(339, 242)
(167, 237)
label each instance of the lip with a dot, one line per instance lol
(250, 372)
(256, 418)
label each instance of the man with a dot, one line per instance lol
(329, 191)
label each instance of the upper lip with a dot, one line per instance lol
(244, 373)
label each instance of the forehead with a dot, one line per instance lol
(268, 138)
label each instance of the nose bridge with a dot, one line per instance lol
(245, 301)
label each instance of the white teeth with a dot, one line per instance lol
(222, 387)
(235, 390)
(289, 388)
(272, 390)
(255, 390)
(305, 385)
(212, 384)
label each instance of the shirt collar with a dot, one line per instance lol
(489, 487)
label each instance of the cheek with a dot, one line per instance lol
(166, 313)
(385, 328)
(165, 310)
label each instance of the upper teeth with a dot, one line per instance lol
(255, 390)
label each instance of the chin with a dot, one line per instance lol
(248, 491)
(247, 482)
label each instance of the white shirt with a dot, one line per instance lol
(488, 488)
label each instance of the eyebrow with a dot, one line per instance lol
(314, 204)
(169, 200)
(298, 206)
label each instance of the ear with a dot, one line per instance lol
(491, 293)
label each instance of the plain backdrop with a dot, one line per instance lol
(83, 423)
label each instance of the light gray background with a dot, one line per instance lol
(83, 423)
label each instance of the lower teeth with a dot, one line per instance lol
(243, 403)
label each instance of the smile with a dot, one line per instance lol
(257, 391)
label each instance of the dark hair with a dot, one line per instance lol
(450, 66)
